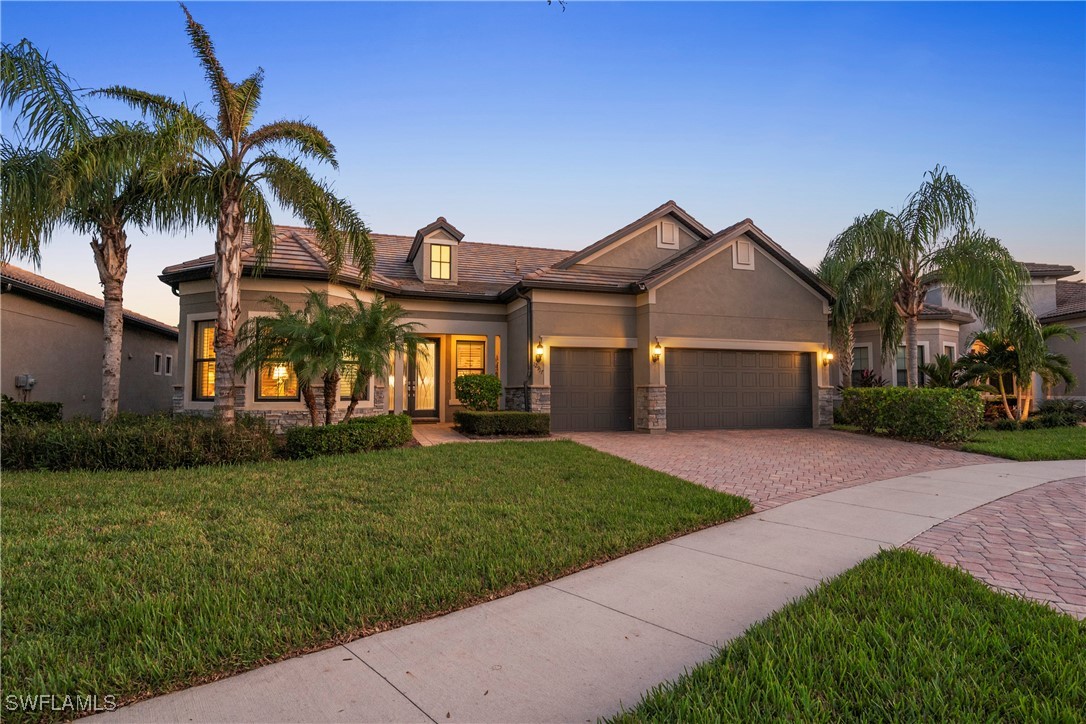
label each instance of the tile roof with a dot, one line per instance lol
(1070, 302)
(38, 285)
(483, 270)
(1038, 269)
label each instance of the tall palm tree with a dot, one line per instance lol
(855, 302)
(311, 340)
(931, 241)
(375, 332)
(90, 174)
(238, 168)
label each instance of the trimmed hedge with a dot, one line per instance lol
(506, 422)
(479, 392)
(133, 442)
(359, 434)
(13, 412)
(932, 414)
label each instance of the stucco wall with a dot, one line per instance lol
(716, 301)
(62, 349)
(640, 251)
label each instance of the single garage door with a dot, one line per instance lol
(709, 389)
(591, 389)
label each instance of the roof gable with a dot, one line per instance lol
(438, 224)
(670, 208)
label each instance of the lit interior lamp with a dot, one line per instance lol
(827, 358)
(657, 351)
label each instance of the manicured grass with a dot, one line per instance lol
(136, 583)
(1051, 443)
(900, 637)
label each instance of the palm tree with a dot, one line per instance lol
(77, 170)
(374, 333)
(237, 170)
(310, 340)
(930, 241)
(853, 303)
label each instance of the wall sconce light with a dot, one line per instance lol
(657, 351)
(827, 357)
(539, 354)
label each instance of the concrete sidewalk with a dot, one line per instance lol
(582, 646)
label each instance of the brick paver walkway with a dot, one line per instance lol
(773, 467)
(1032, 543)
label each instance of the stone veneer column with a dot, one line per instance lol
(825, 406)
(650, 408)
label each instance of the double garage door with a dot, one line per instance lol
(592, 389)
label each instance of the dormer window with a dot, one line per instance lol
(440, 261)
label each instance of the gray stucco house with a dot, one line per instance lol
(947, 326)
(53, 333)
(662, 325)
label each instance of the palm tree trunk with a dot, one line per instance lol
(847, 354)
(228, 302)
(350, 408)
(1003, 395)
(310, 403)
(111, 257)
(911, 372)
(331, 392)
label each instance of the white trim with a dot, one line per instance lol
(601, 342)
(757, 345)
(737, 247)
(190, 347)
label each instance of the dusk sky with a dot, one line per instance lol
(524, 124)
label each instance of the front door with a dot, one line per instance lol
(422, 379)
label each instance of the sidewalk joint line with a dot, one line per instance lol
(398, 689)
(630, 615)
(740, 560)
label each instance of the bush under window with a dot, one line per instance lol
(359, 434)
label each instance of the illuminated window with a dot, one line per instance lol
(440, 261)
(470, 358)
(203, 361)
(347, 373)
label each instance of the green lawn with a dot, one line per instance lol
(1051, 443)
(136, 583)
(900, 637)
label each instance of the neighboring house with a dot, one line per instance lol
(948, 327)
(663, 324)
(53, 334)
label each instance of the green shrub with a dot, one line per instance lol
(13, 412)
(479, 392)
(1057, 419)
(934, 414)
(1004, 424)
(133, 442)
(507, 422)
(359, 434)
(1068, 409)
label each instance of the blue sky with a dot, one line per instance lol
(524, 124)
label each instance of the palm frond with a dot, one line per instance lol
(51, 112)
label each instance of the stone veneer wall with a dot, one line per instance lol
(539, 399)
(650, 408)
(281, 420)
(826, 397)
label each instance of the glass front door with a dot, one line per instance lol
(422, 379)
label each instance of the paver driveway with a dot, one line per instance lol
(1030, 543)
(773, 467)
